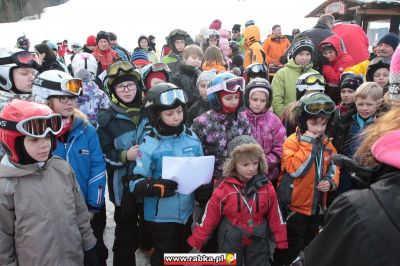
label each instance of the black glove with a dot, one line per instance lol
(150, 187)
(203, 193)
(90, 257)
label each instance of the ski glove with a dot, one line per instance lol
(90, 257)
(150, 187)
(203, 193)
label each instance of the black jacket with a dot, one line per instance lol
(341, 128)
(186, 79)
(363, 227)
(51, 65)
(198, 108)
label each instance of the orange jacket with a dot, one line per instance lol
(253, 49)
(297, 186)
(274, 47)
(213, 65)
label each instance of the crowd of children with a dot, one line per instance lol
(67, 137)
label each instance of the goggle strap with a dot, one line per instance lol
(8, 125)
(47, 84)
(6, 61)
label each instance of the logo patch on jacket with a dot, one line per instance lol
(86, 152)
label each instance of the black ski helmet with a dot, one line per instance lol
(258, 83)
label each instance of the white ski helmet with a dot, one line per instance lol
(310, 82)
(84, 66)
(55, 83)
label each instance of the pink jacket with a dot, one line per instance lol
(268, 130)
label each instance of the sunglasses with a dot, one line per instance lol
(318, 107)
(22, 59)
(114, 69)
(73, 86)
(231, 85)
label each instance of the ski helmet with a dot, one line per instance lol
(153, 68)
(11, 58)
(25, 118)
(175, 35)
(309, 82)
(255, 70)
(84, 66)
(261, 84)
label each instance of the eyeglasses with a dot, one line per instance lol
(160, 67)
(128, 87)
(318, 107)
(312, 80)
(231, 85)
(37, 126)
(66, 98)
(114, 69)
(22, 59)
(73, 86)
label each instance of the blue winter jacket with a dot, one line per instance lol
(83, 152)
(179, 207)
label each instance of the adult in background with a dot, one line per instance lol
(144, 45)
(47, 58)
(114, 44)
(103, 52)
(387, 45)
(275, 45)
(90, 44)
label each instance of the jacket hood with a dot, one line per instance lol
(251, 35)
(336, 42)
(302, 69)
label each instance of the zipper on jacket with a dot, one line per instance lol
(158, 200)
(99, 194)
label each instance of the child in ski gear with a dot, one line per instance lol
(103, 52)
(167, 214)
(177, 41)
(243, 207)
(152, 74)
(266, 127)
(255, 70)
(43, 216)
(213, 59)
(78, 144)
(378, 72)
(308, 174)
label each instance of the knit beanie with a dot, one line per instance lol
(139, 57)
(302, 44)
(121, 79)
(206, 75)
(391, 38)
(152, 75)
(240, 140)
(236, 27)
(102, 35)
(386, 149)
(91, 40)
(375, 64)
(215, 25)
(351, 82)
(393, 95)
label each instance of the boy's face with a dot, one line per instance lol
(366, 107)
(231, 100)
(303, 58)
(247, 168)
(317, 126)
(347, 95)
(103, 44)
(381, 76)
(38, 148)
(258, 102)
(203, 89)
(194, 61)
(126, 91)
(180, 45)
(172, 117)
(329, 54)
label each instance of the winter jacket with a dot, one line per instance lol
(284, 85)
(228, 202)
(365, 221)
(355, 40)
(170, 58)
(198, 108)
(357, 125)
(105, 58)
(297, 191)
(254, 52)
(269, 132)
(186, 79)
(121, 53)
(342, 122)
(360, 68)
(216, 130)
(274, 47)
(51, 65)
(92, 100)
(213, 65)
(117, 133)
(149, 163)
(82, 151)
(43, 217)
(335, 68)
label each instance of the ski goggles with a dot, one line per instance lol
(114, 69)
(36, 127)
(318, 107)
(22, 59)
(169, 97)
(231, 85)
(160, 67)
(72, 86)
(312, 80)
(256, 68)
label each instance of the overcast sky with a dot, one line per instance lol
(129, 19)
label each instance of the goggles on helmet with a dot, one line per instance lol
(22, 59)
(256, 68)
(169, 97)
(230, 85)
(160, 67)
(36, 127)
(312, 80)
(318, 107)
(73, 86)
(114, 69)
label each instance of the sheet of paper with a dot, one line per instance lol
(188, 172)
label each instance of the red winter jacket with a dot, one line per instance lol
(335, 68)
(224, 203)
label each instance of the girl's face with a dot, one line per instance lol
(231, 101)
(317, 126)
(347, 95)
(180, 45)
(329, 54)
(258, 102)
(63, 105)
(172, 117)
(381, 76)
(38, 148)
(144, 44)
(213, 41)
(23, 78)
(247, 168)
(303, 58)
(366, 107)
(203, 89)
(126, 91)
(194, 61)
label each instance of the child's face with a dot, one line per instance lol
(180, 45)
(258, 102)
(347, 95)
(144, 44)
(231, 101)
(194, 61)
(64, 105)
(317, 126)
(126, 91)
(303, 58)
(172, 117)
(203, 89)
(247, 168)
(381, 76)
(366, 107)
(213, 41)
(329, 54)
(38, 148)
(23, 78)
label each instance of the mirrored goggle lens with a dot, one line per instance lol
(115, 68)
(24, 58)
(41, 126)
(234, 84)
(169, 97)
(74, 86)
(317, 107)
(160, 66)
(258, 68)
(313, 79)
